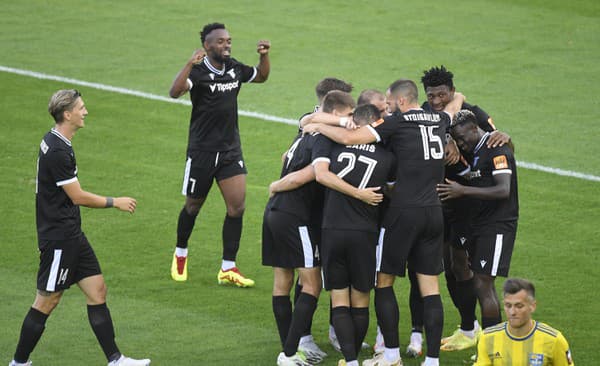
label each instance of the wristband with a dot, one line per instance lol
(343, 121)
(109, 202)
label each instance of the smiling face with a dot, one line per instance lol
(76, 116)
(218, 45)
(439, 96)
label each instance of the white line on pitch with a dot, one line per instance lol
(266, 117)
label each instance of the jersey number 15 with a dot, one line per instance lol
(432, 144)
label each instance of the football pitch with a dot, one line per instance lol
(532, 65)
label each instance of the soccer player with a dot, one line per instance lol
(375, 97)
(66, 257)
(412, 226)
(492, 186)
(439, 89)
(291, 221)
(214, 151)
(521, 340)
(350, 231)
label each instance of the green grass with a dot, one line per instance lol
(532, 65)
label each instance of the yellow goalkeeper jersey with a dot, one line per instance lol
(543, 346)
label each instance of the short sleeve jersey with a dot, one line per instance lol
(485, 164)
(543, 346)
(213, 92)
(367, 165)
(417, 139)
(305, 202)
(57, 217)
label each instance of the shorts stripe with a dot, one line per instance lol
(306, 247)
(379, 250)
(186, 176)
(50, 285)
(497, 254)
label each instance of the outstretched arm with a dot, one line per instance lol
(91, 200)
(264, 65)
(341, 135)
(330, 180)
(180, 85)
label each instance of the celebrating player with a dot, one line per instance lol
(214, 151)
(66, 256)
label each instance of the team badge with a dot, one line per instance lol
(500, 162)
(536, 359)
(231, 73)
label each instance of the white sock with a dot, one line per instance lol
(15, 363)
(332, 331)
(416, 337)
(226, 265)
(181, 252)
(430, 361)
(391, 354)
(352, 363)
(468, 333)
(306, 339)
(476, 325)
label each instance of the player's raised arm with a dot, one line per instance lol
(264, 64)
(180, 84)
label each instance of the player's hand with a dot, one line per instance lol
(263, 47)
(197, 56)
(351, 125)
(449, 190)
(452, 153)
(127, 204)
(310, 128)
(498, 138)
(369, 195)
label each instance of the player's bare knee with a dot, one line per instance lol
(236, 211)
(45, 302)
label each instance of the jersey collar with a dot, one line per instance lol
(481, 142)
(60, 136)
(214, 69)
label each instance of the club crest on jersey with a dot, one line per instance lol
(536, 359)
(231, 73)
(44, 147)
(212, 76)
(483, 263)
(241, 163)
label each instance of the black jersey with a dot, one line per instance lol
(214, 119)
(56, 216)
(305, 202)
(417, 139)
(367, 165)
(486, 163)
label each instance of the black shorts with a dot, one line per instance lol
(287, 242)
(348, 258)
(65, 262)
(413, 235)
(456, 227)
(491, 248)
(203, 167)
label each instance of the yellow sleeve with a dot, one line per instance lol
(482, 353)
(562, 353)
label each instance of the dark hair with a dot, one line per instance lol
(514, 285)
(328, 84)
(463, 117)
(337, 99)
(209, 28)
(407, 88)
(365, 114)
(61, 101)
(437, 76)
(366, 96)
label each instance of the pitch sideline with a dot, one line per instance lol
(263, 116)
